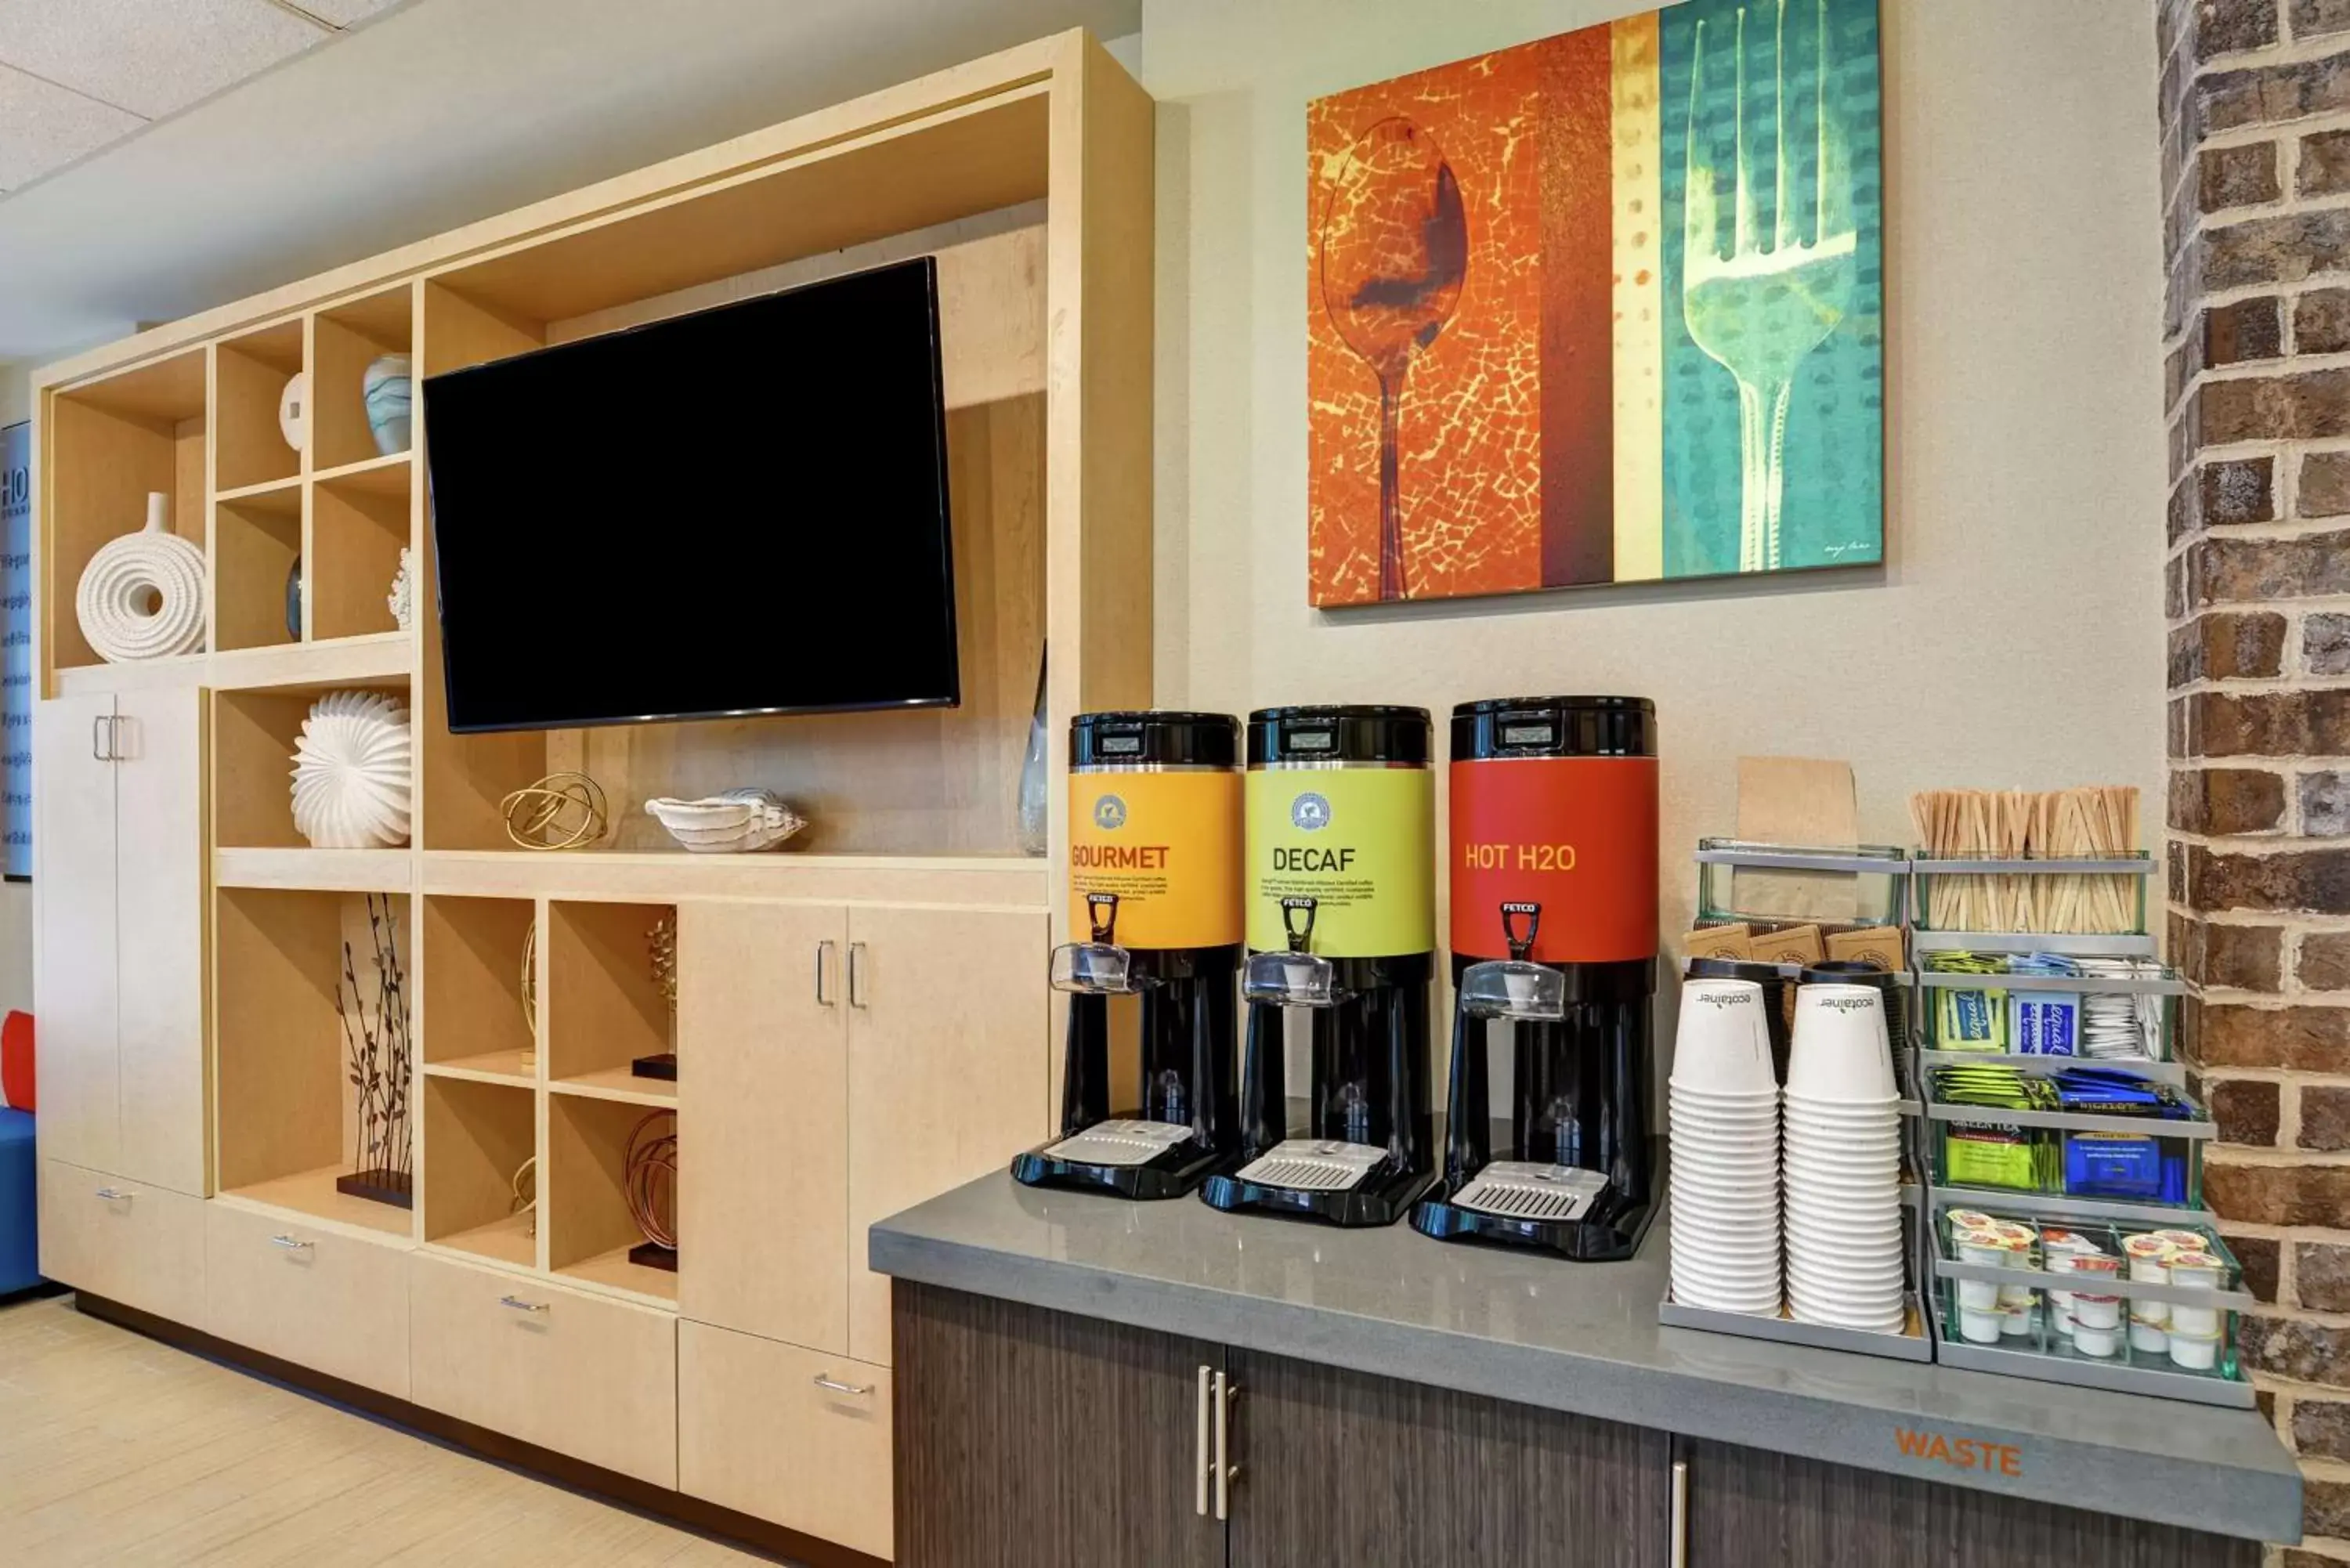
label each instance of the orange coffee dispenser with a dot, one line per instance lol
(1554, 882)
(1155, 883)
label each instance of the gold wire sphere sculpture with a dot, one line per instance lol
(561, 811)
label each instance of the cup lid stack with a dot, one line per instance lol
(1843, 1163)
(1724, 1116)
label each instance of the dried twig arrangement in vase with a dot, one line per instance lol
(376, 1038)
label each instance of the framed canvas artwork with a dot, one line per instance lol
(1603, 307)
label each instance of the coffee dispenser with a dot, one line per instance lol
(1554, 883)
(1155, 882)
(1341, 926)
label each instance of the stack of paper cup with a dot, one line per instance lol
(1725, 1147)
(1843, 1173)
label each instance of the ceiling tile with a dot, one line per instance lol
(342, 13)
(149, 56)
(45, 127)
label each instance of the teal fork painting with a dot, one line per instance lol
(1603, 307)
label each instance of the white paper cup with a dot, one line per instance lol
(1712, 1097)
(2096, 1313)
(1840, 1050)
(2149, 1337)
(2194, 1352)
(1980, 1326)
(2101, 1343)
(2014, 1322)
(1723, 1042)
(1888, 1320)
(1979, 1295)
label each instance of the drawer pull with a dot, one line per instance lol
(115, 1195)
(521, 1305)
(291, 1243)
(832, 1385)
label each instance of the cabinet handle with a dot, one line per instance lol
(1200, 1452)
(521, 1305)
(291, 1243)
(115, 1195)
(823, 963)
(98, 748)
(831, 1385)
(857, 974)
(1226, 1392)
(114, 751)
(1681, 1513)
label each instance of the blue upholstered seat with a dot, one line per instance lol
(19, 1204)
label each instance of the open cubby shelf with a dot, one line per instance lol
(604, 1007)
(249, 377)
(348, 338)
(254, 735)
(288, 1118)
(590, 1231)
(477, 1137)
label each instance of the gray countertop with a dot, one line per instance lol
(1581, 1337)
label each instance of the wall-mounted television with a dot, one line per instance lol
(742, 511)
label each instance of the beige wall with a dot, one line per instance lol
(2015, 638)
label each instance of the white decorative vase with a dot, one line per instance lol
(142, 596)
(294, 412)
(353, 773)
(734, 823)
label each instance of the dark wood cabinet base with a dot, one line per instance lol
(1029, 1439)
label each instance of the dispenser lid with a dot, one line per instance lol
(1497, 727)
(1154, 738)
(1342, 732)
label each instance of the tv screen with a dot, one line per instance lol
(738, 512)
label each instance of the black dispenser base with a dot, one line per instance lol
(1381, 1200)
(1602, 1239)
(1177, 1173)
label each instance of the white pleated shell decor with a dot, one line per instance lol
(353, 772)
(401, 601)
(142, 596)
(735, 822)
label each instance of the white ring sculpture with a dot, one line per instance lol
(142, 596)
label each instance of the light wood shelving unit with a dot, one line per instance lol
(1028, 175)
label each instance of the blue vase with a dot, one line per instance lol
(385, 390)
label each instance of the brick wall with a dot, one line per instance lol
(2255, 119)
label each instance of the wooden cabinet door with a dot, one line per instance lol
(1338, 1469)
(1755, 1508)
(763, 1205)
(1028, 1439)
(160, 937)
(948, 1059)
(74, 973)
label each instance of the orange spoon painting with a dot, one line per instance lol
(1393, 254)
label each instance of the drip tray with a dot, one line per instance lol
(1519, 1189)
(1120, 1143)
(1313, 1165)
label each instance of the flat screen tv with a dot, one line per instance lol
(738, 512)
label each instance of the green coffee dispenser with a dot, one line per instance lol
(1340, 866)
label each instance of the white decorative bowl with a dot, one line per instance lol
(734, 823)
(353, 772)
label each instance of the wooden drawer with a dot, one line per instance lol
(141, 1245)
(583, 1375)
(758, 1432)
(322, 1299)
